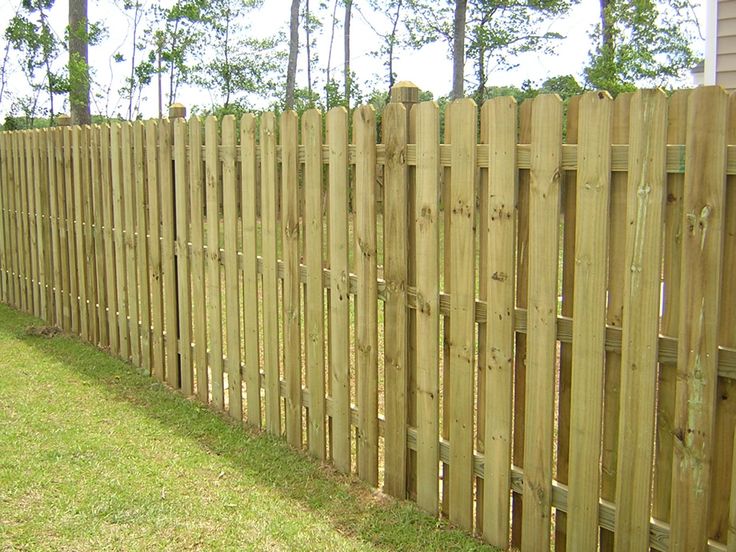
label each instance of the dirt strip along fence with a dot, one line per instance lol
(527, 323)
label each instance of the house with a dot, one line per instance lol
(720, 44)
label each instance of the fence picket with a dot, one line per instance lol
(89, 243)
(672, 251)
(544, 208)
(108, 222)
(118, 185)
(723, 464)
(395, 274)
(645, 204)
(702, 243)
(314, 298)
(141, 206)
(568, 280)
(168, 258)
(269, 281)
(184, 299)
(79, 222)
(366, 335)
(462, 310)
(289, 131)
(614, 314)
(197, 205)
(128, 209)
(337, 139)
(500, 115)
(522, 280)
(249, 224)
(4, 225)
(232, 301)
(214, 285)
(98, 158)
(591, 236)
(426, 218)
(154, 251)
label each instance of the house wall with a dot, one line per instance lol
(726, 44)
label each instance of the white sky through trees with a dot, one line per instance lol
(430, 67)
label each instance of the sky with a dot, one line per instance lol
(429, 68)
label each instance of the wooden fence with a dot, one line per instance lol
(535, 336)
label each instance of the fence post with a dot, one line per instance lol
(407, 93)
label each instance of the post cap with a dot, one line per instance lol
(177, 110)
(62, 119)
(405, 92)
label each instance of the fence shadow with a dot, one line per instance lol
(348, 504)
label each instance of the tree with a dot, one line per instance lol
(642, 42)
(79, 62)
(233, 63)
(30, 33)
(494, 32)
(458, 49)
(346, 43)
(293, 53)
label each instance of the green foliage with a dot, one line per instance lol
(496, 31)
(642, 43)
(30, 33)
(236, 64)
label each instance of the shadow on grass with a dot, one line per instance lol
(348, 505)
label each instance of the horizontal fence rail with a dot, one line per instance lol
(524, 322)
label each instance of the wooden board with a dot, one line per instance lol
(154, 250)
(89, 238)
(395, 260)
(214, 291)
(501, 120)
(676, 133)
(270, 281)
(720, 496)
(120, 258)
(141, 237)
(23, 213)
(366, 335)
(30, 193)
(702, 243)
(168, 262)
(426, 220)
(314, 331)
(197, 259)
(99, 158)
(183, 224)
(646, 190)
(339, 313)
(107, 222)
(249, 224)
(568, 279)
(79, 215)
(128, 208)
(522, 279)
(462, 310)
(232, 280)
(544, 207)
(617, 272)
(5, 273)
(289, 135)
(589, 311)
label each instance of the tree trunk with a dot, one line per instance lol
(78, 63)
(606, 23)
(346, 70)
(458, 50)
(293, 53)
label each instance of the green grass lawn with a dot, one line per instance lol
(96, 456)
